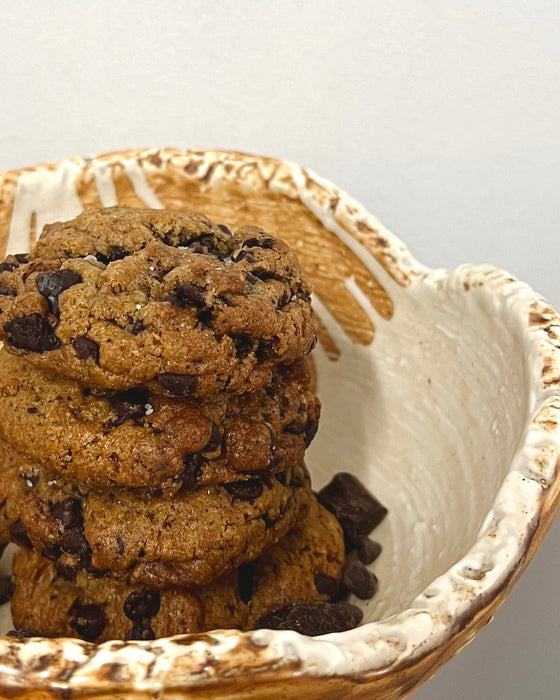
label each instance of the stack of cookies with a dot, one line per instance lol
(155, 406)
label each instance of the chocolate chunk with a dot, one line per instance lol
(140, 631)
(141, 604)
(188, 294)
(129, 405)
(32, 333)
(245, 577)
(205, 316)
(89, 621)
(243, 254)
(52, 284)
(245, 490)
(177, 384)
(313, 619)
(6, 589)
(296, 427)
(359, 581)
(367, 550)
(263, 241)
(51, 550)
(137, 327)
(7, 291)
(281, 478)
(86, 347)
(21, 633)
(68, 573)
(120, 545)
(327, 585)
(74, 542)
(7, 266)
(18, 534)
(191, 473)
(68, 512)
(357, 511)
(33, 410)
(22, 258)
(310, 431)
(214, 442)
(225, 229)
(243, 345)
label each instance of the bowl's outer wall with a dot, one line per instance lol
(268, 182)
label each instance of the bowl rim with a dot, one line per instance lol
(430, 630)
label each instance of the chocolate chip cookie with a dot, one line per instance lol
(306, 566)
(189, 539)
(120, 298)
(134, 438)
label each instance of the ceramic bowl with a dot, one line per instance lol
(441, 391)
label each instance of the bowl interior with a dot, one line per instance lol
(422, 379)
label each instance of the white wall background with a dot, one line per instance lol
(442, 117)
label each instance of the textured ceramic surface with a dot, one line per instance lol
(441, 391)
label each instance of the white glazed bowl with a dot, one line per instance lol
(441, 391)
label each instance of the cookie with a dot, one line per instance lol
(119, 298)
(136, 439)
(189, 539)
(99, 609)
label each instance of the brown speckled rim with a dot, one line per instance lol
(386, 659)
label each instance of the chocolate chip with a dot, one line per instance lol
(140, 632)
(3, 546)
(88, 620)
(295, 428)
(6, 589)
(52, 284)
(310, 431)
(51, 550)
(21, 633)
(120, 545)
(137, 327)
(205, 316)
(243, 345)
(359, 581)
(327, 585)
(22, 258)
(191, 473)
(177, 384)
(33, 410)
(245, 490)
(86, 347)
(357, 511)
(245, 577)
(367, 550)
(7, 291)
(68, 512)
(129, 405)
(281, 478)
(312, 619)
(141, 604)
(68, 573)
(188, 294)
(18, 534)
(243, 254)
(7, 266)
(74, 542)
(225, 229)
(32, 333)
(263, 242)
(214, 442)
